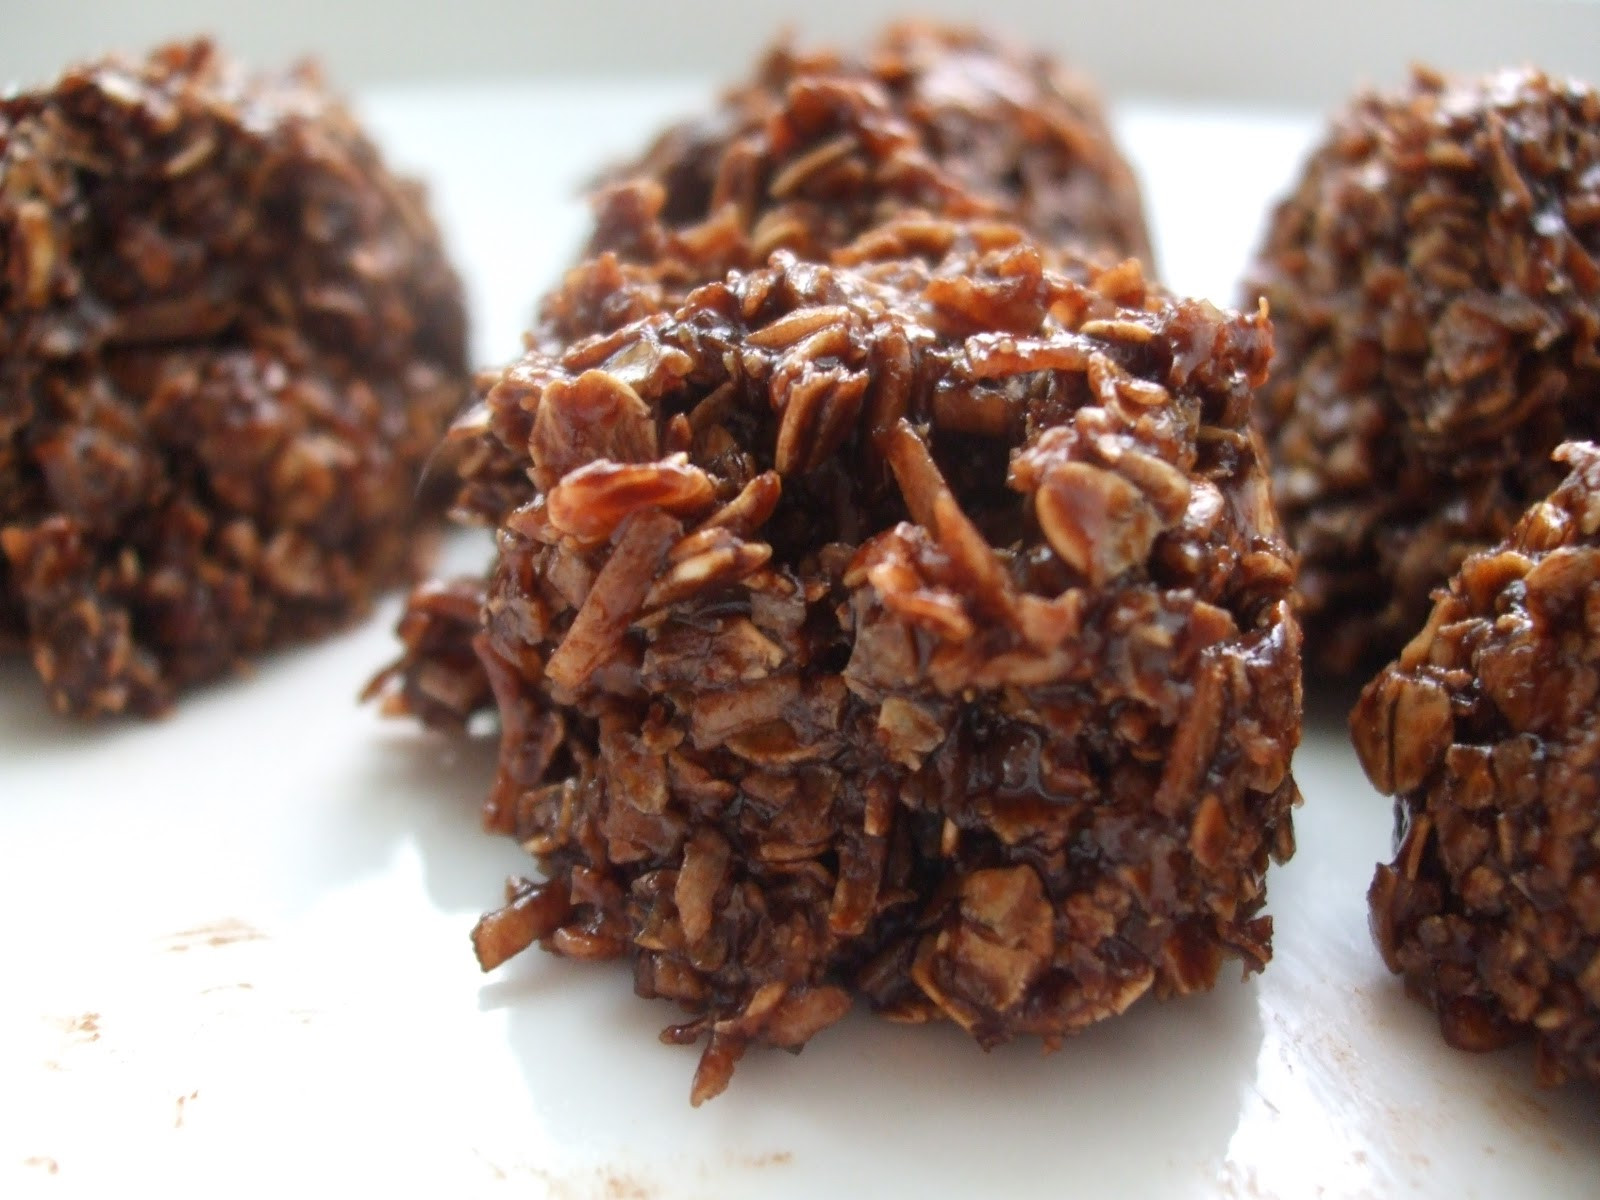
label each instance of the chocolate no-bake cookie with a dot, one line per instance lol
(914, 628)
(1486, 731)
(819, 147)
(229, 340)
(1434, 283)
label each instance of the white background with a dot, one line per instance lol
(1251, 51)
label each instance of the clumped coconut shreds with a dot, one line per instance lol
(914, 630)
(816, 148)
(1485, 731)
(229, 341)
(1435, 292)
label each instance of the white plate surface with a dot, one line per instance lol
(234, 942)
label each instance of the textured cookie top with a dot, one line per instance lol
(856, 394)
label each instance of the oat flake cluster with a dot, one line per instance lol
(228, 342)
(1434, 283)
(1485, 732)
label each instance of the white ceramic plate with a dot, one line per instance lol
(233, 953)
